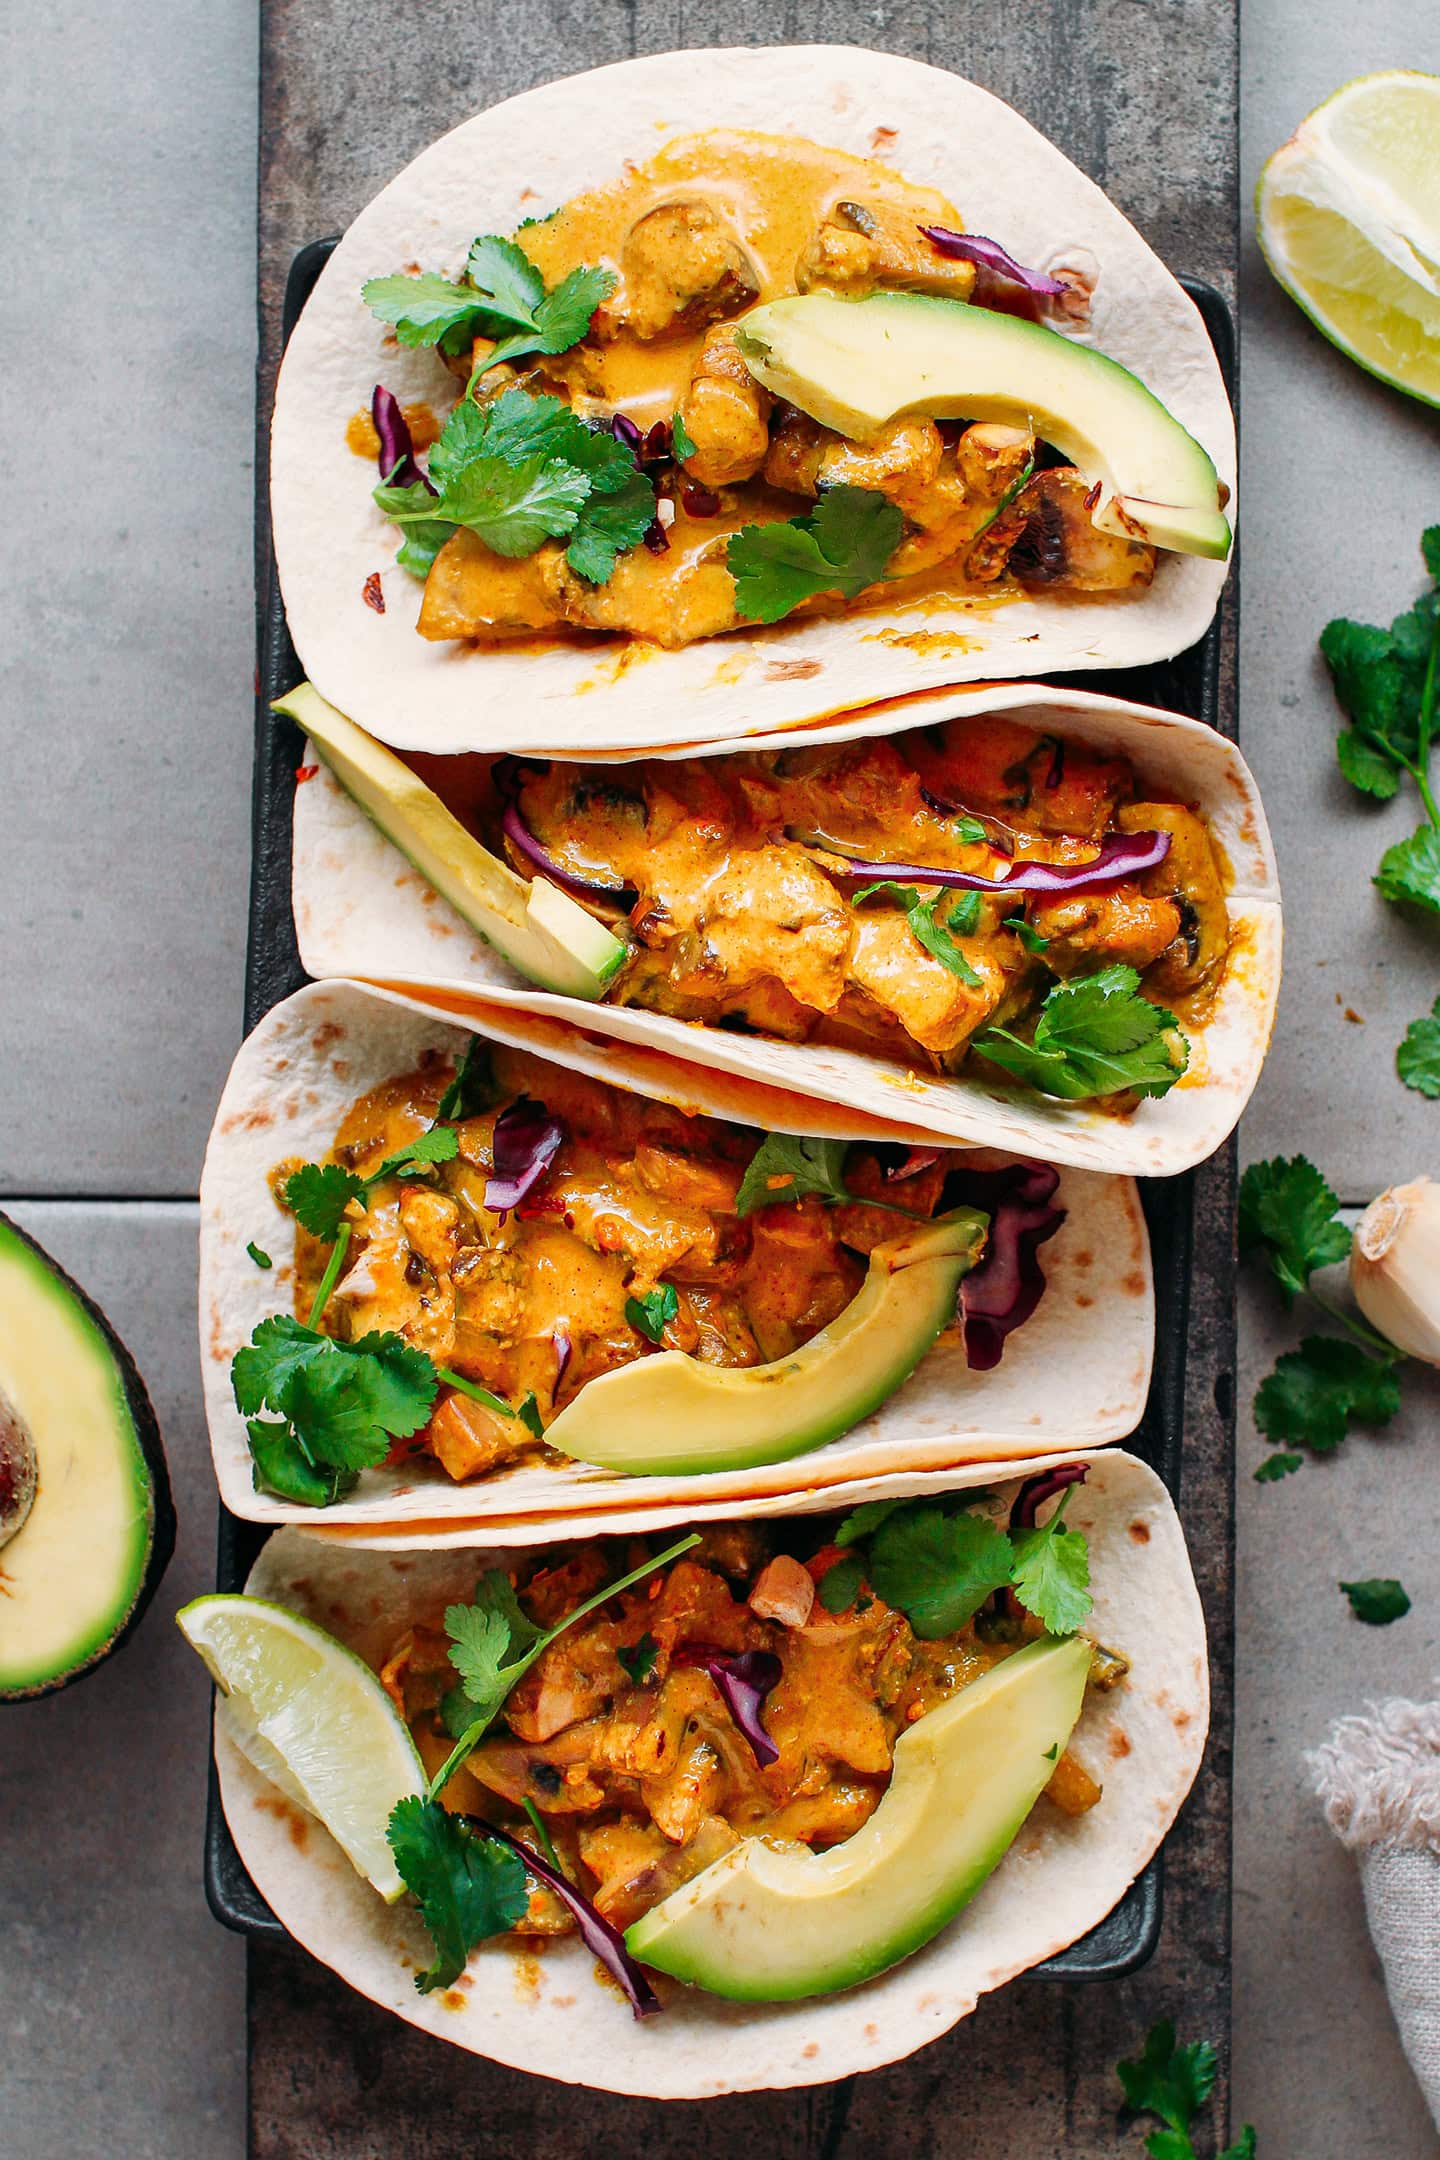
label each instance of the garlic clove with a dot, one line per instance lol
(1395, 1267)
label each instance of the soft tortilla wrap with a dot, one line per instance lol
(532, 153)
(362, 910)
(1076, 1375)
(548, 2015)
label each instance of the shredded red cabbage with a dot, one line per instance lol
(397, 449)
(655, 538)
(1001, 1293)
(600, 1938)
(581, 888)
(623, 428)
(989, 255)
(658, 443)
(744, 1678)
(526, 1140)
(1122, 855)
(700, 502)
(1034, 1493)
(564, 1348)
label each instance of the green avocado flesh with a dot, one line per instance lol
(672, 1415)
(540, 930)
(853, 365)
(89, 1551)
(771, 1922)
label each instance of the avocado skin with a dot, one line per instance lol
(157, 1471)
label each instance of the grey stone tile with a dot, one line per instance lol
(129, 160)
(1337, 484)
(122, 2003)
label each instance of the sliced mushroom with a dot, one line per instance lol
(683, 268)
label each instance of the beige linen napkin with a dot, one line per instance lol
(1378, 1777)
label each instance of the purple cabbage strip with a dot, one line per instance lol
(526, 1140)
(1001, 1293)
(397, 451)
(1122, 855)
(564, 1347)
(744, 1678)
(601, 1939)
(542, 860)
(623, 428)
(989, 255)
(1034, 1493)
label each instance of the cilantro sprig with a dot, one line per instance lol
(651, 1313)
(792, 1166)
(518, 472)
(318, 1195)
(1316, 1393)
(962, 919)
(1094, 1036)
(842, 546)
(501, 295)
(1174, 2083)
(937, 1562)
(337, 1407)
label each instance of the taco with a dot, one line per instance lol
(443, 1280)
(820, 353)
(1053, 927)
(807, 1787)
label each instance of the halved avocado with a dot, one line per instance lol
(854, 364)
(540, 929)
(85, 1561)
(671, 1415)
(772, 1922)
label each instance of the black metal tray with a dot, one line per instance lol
(1188, 684)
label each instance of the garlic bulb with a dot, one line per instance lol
(1395, 1267)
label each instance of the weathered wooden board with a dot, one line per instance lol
(1143, 97)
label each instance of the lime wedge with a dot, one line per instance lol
(313, 1718)
(1349, 222)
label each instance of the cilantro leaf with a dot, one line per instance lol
(1317, 1392)
(1243, 2147)
(842, 546)
(1094, 1036)
(342, 1403)
(317, 1195)
(681, 441)
(839, 1586)
(638, 1659)
(861, 1521)
(412, 508)
(424, 310)
(490, 1641)
(261, 1372)
(1377, 1600)
(281, 1466)
(1366, 767)
(651, 1314)
(514, 507)
(1278, 1466)
(938, 938)
(437, 1144)
(512, 286)
(1418, 1058)
(1169, 2081)
(473, 1088)
(260, 1258)
(1410, 871)
(609, 525)
(1028, 935)
(468, 1887)
(937, 1567)
(1051, 1574)
(1288, 1212)
(787, 1166)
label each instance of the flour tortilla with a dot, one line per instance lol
(1075, 1376)
(362, 910)
(548, 2014)
(533, 152)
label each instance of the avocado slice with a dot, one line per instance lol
(772, 1922)
(541, 931)
(854, 364)
(671, 1415)
(81, 1564)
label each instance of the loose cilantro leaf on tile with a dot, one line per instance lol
(938, 1566)
(1418, 1058)
(938, 937)
(1289, 1213)
(1316, 1393)
(788, 1166)
(841, 546)
(1095, 1036)
(1377, 1600)
(1175, 2084)
(1275, 1467)
(1410, 871)
(468, 1887)
(652, 1313)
